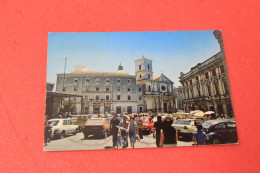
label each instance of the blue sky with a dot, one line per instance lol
(172, 52)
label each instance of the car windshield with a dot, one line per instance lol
(145, 120)
(54, 122)
(94, 122)
(187, 122)
(137, 119)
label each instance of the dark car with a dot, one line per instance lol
(220, 131)
(97, 127)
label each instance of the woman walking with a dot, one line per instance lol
(169, 136)
(132, 130)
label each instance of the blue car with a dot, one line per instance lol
(220, 131)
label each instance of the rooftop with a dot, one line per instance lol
(143, 58)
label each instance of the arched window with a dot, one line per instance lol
(140, 76)
(148, 76)
(148, 66)
(139, 67)
(149, 87)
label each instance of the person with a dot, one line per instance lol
(157, 129)
(169, 135)
(140, 126)
(132, 130)
(200, 137)
(124, 124)
(47, 132)
(114, 130)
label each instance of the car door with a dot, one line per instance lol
(232, 132)
(70, 127)
(65, 126)
(221, 130)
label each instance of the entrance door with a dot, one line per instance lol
(165, 107)
(141, 109)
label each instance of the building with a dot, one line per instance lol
(103, 92)
(206, 85)
(155, 94)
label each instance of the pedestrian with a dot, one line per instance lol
(47, 132)
(140, 126)
(169, 135)
(157, 130)
(114, 130)
(132, 130)
(200, 137)
(124, 133)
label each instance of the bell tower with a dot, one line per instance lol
(143, 69)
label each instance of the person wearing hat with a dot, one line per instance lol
(169, 135)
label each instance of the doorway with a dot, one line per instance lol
(165, 107)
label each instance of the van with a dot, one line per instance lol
(81, 121)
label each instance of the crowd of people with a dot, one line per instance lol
(163, 132)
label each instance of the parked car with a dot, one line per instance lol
(81, 121)
(97, 126)
(185, 127)
(220, 131)
(62, 127)
(147, 124)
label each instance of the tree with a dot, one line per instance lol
(65, 106)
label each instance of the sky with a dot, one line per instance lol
(172, 52)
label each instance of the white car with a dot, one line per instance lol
(62, 127)
(185, 127)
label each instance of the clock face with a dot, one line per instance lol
(163, 88)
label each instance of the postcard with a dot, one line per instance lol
(125, 90)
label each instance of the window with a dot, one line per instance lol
(129, 109)
(64, 89)
(140, 67)
(75, 88)
(97, 88)
(220, 126)
(148, 66)
(128, 97)
(64, 122)
(149, 87)
(97, 97)
(118, 97)
(69, 122)
(87, 89)
(231, 125)
(163, 88)
(128, 81)
(140, 97)
(140, 76)
(140, 89)
(107, 97)
(97, 79)
(107, 80)
(128, 89)
(75, 80)
(148, 76)
(118, 80)
(118, 88)
(107, 88)
(86, 97)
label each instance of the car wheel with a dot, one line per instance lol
(62, 134)
(75, 132)
(216, 141)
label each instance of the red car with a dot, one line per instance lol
(147, 123)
